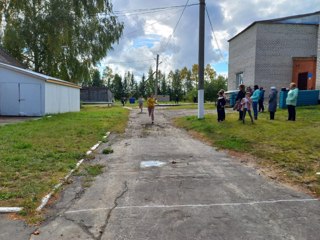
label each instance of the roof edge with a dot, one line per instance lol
(40, 76)
(276, 19)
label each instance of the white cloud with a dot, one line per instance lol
(154, 26)
(146, 35)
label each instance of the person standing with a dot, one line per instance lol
(123, 101)
(151, 102)
(177, 99)
(291, 101)
(220, 107)
(241, 94)
(261, 100)
(140, 101)
(272, 107)
(249, 89)
(246, 104)
(255, 98)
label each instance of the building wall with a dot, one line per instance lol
(305, 65)
(242, 53)
(318, 61)
(95, 94)
(17, 96)
(276, 45)
(60, 99)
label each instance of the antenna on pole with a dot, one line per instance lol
(201, 59)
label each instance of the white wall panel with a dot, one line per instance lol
(60, 99)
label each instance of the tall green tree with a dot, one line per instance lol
(163, 85)
(186, 76)
(107, 77)
(177, 90)
(142, 86)
(62, 38)
(117, 87)
(150, 82)
(96, 78)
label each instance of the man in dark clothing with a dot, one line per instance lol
(261, 100)
(241, 94)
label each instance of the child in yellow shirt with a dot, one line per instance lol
(151, 102)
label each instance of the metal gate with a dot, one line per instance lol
(20, 99)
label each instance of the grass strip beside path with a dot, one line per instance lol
(35, 155)
(290, 147)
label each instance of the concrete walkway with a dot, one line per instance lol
(161, 184)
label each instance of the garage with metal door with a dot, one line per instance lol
(27, 93)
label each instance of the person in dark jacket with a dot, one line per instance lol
(220, 106)
(241, 94)
(272, 108)
(261, 100)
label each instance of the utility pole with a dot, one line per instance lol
(156, 81)
(201, 60)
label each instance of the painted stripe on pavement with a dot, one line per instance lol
(200, 205)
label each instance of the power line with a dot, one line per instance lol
(215, 38)
(146, 60)
(175, 28)
(150, 10)
(150, 24)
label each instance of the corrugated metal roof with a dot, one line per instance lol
(38, 75)
(304, 19)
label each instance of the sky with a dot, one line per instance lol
(148, 31)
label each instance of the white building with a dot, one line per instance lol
(27, 93)
(276, 52)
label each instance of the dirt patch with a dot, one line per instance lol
(13, 120)
(269, 171)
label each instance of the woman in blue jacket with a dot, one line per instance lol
(291, 101)
(255, 99)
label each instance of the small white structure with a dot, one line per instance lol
(27, 93)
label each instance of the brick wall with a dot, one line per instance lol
(264, 53)
(277, 44)
(242, 51)
(318, 61)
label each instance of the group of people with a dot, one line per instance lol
(247, 100)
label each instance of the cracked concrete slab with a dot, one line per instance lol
(199, 193)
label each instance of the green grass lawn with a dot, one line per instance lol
(207, 106)
(293, 148)
(35, 155)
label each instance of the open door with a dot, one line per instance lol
(303, 81)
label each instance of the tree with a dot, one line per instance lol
(107, 77)
(117, 87)
(163, 85)
(96, 79)
(142, 86)
(176, 85)
(61, 38)
(194, 74)
(150, 82)
(133, 86)
(186, 76)
(209, 73)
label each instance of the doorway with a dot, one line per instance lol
(20, 99)
(303, 81)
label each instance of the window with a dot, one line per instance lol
(239, 78)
